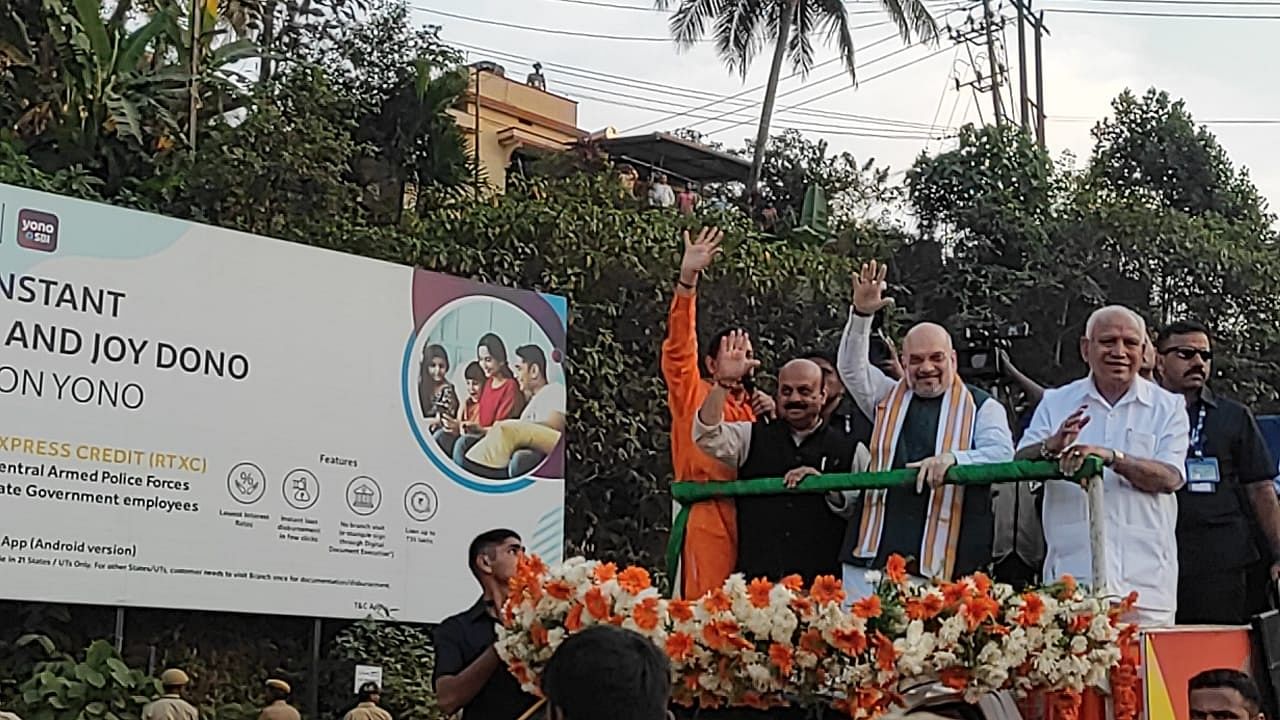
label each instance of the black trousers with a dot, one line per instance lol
(1214, 598)
(1015, 571)
(1261, 596)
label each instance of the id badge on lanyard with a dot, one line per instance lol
(1202, 472)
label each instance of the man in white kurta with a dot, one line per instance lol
(1141, 432)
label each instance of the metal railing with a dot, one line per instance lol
(1090, 475)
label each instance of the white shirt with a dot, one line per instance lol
(992, 440)
(545, 403)
(730, 442)
(661, 195)
(1142, 549)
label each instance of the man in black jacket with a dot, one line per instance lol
(778, 535)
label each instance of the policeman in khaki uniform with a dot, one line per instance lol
(278, 707)
(368, 708)
(170, 705)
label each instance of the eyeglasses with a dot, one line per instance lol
(1186, 353)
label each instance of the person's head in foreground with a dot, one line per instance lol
(607, 672)
(1224, 695)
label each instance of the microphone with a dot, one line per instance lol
(749, 385)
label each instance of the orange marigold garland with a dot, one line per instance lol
(765, 644)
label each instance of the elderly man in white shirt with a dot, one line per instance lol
(930, 420)
(1141, 432)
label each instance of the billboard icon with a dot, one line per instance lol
(37, 230)
(364, 495)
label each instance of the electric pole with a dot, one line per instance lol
(1027, 15)
(987, 22)
(197, 14)
(1024, 113)
(981, 33)
(1040, 32)
(475, 179)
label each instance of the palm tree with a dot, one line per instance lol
(741, 27)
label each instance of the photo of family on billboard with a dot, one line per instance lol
(491, 390)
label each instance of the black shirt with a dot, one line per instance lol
(791, 532)
(849, 420)
(1213, 527)
(459, 641)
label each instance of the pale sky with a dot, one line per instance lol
(1224, 69)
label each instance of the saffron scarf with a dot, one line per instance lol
(942, 522)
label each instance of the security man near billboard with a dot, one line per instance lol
(170, 705)
(1229, 472)
(369, 696)
(278, 707)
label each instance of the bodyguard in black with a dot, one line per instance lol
(469, 675)
(1229, 473)
(779, 535)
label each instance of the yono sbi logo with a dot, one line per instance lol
(37, 230)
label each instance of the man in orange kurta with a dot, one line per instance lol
(711, 538)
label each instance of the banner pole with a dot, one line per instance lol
(313, 686)
(119, 635)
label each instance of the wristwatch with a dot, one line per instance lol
(1116, 456)
(1045, 454)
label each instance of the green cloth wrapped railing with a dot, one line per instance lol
(688, 493)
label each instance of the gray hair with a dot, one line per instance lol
(1109, 310)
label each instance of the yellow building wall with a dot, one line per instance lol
(513, 115)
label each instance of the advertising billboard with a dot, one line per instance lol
(198, 418)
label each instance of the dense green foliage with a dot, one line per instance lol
(1158, 220)
(407, 658)
(98, 687)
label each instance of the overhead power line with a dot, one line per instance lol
(579, 33)
(876, 132)
(1136, 13)
(835, 76)
(1232, 121)
(748, 91)
(957, 6)
(946, 83)
(654, 105)
(890, 71)
(831, 77)
(652, 9)
(646, 86)
(549, 31)
(1236, 3)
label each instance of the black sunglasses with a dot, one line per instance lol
(1186, 353)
